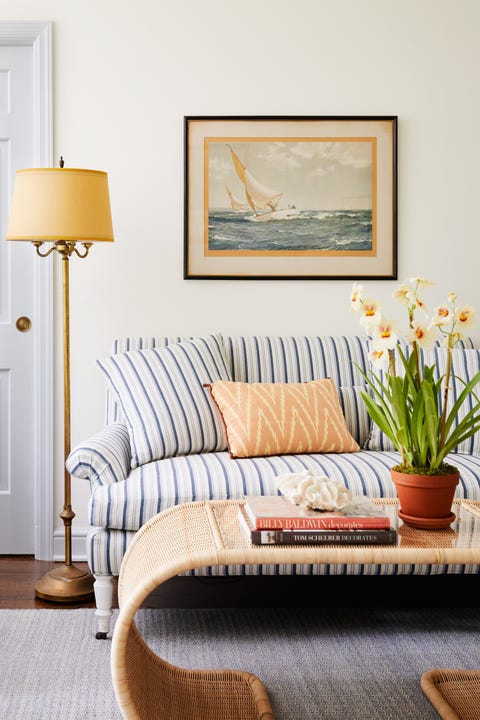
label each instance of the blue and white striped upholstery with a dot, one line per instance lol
(281, 359)
(122, 499)
(122, 345)
(104, 459)
(297, 359)
(153, 487)
(465, 365)
(355, 412)
(106, 548)
(162, 396)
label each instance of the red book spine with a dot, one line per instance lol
(321, 523)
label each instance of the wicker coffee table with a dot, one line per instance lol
(455, 694)
(202, 534)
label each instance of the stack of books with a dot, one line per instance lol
(274, 520)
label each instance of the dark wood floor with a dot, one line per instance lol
(18, 575)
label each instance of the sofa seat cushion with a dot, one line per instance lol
(106, 549)
(151, 488)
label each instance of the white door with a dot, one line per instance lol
(25, 522)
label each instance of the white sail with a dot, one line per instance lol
(263, 198)
(259, 197)
(237, 205)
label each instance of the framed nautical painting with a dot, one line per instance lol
(277, 198)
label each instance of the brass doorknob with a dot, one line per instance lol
(23, 324)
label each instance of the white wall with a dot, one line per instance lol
(126, 73)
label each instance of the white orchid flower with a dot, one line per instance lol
(379, 358)
(421, 334)
(385, 334)
(356, 297)
(442, 316)
(371, 313)
(415, 301)
(400, 294)
(421, 282)
(465, 316)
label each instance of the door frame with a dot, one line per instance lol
(39, 36)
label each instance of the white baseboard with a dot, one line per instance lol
(79, 544)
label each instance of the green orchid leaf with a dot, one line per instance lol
(452, 414)
(378, 415)
(419, 430)
(431, 418)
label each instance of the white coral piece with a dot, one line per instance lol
(314, 491)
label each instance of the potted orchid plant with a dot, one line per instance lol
(408, 402)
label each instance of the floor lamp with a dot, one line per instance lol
(63, 206)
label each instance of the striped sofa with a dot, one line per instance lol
(129, 484)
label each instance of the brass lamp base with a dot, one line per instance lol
(65, 584)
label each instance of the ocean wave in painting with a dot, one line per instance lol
(340, 230)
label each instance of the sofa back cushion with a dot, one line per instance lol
(161, 393)
(296, 359)
(289, 359)
(281, 359)
(113, 409)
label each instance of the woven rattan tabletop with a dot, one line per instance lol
(208, 533)
(199, 534)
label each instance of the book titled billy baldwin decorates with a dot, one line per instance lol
(276, 512)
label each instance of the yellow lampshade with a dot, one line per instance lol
(52, 204)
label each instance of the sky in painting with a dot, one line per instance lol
(312, 175)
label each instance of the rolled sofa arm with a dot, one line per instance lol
(104, 458)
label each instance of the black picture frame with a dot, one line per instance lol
(290, 198)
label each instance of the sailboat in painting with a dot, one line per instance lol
(261, 199)
(237, 205)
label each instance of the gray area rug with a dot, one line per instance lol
(320, 664)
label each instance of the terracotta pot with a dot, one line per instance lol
(426, 500)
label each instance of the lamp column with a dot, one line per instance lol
(67, 513)
(66, 583)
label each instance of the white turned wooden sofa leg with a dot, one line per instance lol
(103, 589)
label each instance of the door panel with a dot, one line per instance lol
(16, 293)
(22, 293)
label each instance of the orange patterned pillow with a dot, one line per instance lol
(282, 418)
